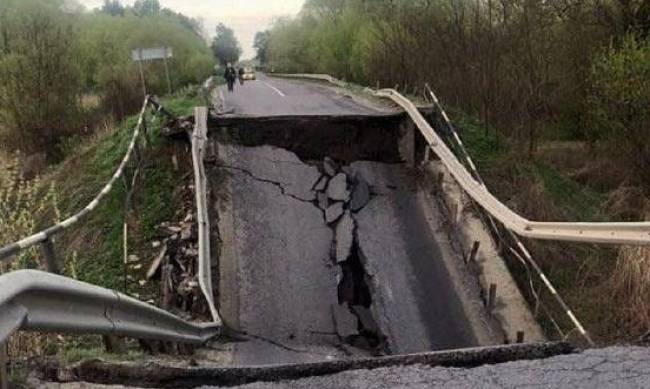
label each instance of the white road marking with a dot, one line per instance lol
(278, 91)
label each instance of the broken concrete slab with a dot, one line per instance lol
(330, 167)
(338, 188)
(323, 200)
(344, 237)
(344, 321)
(276, 257)
(360, 195)
(365, 317)
(382, 178)
(405, 259)
(334, 212)
(321, 185)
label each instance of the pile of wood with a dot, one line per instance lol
(175, 265)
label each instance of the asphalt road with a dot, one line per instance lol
(278, 279)
(618, 367)
(270, 96)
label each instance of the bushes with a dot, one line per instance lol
(107, 42)
(620, 103)
(39, 82)
(51, 56)
(522, 67)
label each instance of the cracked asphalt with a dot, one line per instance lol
(280, 278)
(277, 279)
(617, 367)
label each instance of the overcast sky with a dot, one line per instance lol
(246, 17)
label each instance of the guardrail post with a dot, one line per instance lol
(114, 344)
(4, 379)
(51, 265)
(520, 336)
(474, 252)
(492, 298)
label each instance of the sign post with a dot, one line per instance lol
(151, 54)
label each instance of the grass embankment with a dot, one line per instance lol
(93, 249)
(542, 189)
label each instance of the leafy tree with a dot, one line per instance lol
(620, 100)
(113, 7)
(225, 45)
(39, 80)
(51, 54)
(261, 45)
(146, 7)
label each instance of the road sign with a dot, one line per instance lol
(151, 54)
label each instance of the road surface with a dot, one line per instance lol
(611, 368)
(316, 275)
(270, 96)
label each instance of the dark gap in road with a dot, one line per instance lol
(374, 271)
(355, 293)
(341, 195)
(343, 138)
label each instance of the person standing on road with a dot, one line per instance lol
(241, 76)
(230, 75)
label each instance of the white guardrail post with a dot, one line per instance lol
(199, 139)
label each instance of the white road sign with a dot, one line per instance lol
(152, 53)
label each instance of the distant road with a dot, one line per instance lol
(270, 96)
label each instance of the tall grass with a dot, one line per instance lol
(631, 285)
(25, 207)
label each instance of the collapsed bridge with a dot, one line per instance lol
(327, 232)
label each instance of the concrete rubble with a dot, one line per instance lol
(337, 189)
(299, 238)
(344, 238)
(360, 194)
(334, 212)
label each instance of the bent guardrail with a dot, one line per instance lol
(591, 232)
(38, 301)
(519, 250)
(199, 139)
(615, 233)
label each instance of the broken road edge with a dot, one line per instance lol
(159, 375)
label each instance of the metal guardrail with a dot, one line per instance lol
(519, 250)
(34, 300)
(613, 233)
(199, 138)
(39, 301)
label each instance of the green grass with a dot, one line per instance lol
(77, 354)
(98, 239)
(578, 202)
(484, 148)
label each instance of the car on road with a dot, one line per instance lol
(249, 73)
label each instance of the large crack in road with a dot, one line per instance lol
(320, 260)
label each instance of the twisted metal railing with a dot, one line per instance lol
(493, 211)
(34, 300)
(38, 301)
